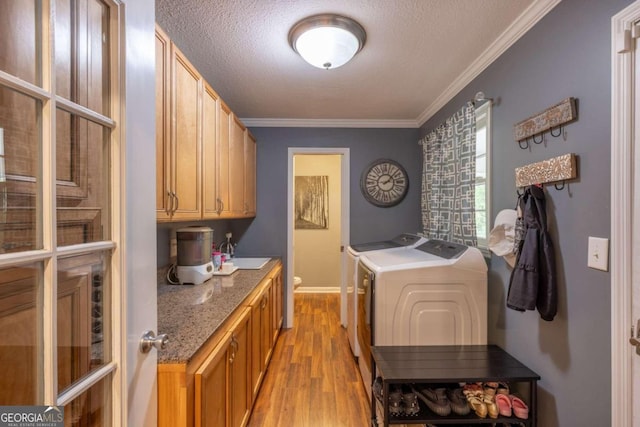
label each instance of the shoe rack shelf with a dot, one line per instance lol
(438, 365)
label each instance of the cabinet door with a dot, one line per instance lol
(163, 148)
(277, 304)
(240, 371)
(210, 109)
(222, 383)
(257, 361)
(224, 151)
(266, 330)
(186, 102)
(249, 174)
(236, 164)
(212, 387)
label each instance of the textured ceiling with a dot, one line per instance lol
(417, 52)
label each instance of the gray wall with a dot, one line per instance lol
(566, 54)
(267, 233)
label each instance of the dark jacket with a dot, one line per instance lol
(533, 280)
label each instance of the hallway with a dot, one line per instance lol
(313, 380)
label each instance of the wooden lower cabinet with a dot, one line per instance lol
(277, 295)
(260, 336)
(223, 395)
(218, 387)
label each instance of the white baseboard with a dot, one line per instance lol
(317, 290)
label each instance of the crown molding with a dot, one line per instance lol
(527, 19)
(330, 123)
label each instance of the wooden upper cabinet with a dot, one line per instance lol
(186, 100)
(249, 174)
(236, 167)
(178, 134)
(205, 156)
(163, 128)
(210, 125)
(224, 150)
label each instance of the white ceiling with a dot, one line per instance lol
(418, 55)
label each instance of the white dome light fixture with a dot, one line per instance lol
(327, 41)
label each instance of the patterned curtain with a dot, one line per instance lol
(448, 179)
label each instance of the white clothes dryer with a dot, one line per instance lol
(402, 241)
(433, 294)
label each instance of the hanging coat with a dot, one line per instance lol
(533, 280)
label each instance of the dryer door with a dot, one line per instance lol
(365, 280)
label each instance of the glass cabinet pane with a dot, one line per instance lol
(20, 174)
(20, 335)
(81, 50)
(82, 180)
(20, 44)
(84, 338)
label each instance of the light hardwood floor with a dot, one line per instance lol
(313, 380)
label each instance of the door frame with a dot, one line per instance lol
(344, 232)
(622, 165)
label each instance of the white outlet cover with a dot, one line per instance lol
(598, 253)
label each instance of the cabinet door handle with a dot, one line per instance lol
(264, 302)
(234, 348)
(177, 202)
(168, 207)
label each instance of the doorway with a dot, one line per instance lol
(625, 220)
(317, 223)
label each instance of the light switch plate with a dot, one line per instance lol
(598, 256)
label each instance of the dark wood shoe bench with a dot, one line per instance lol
(437, 366)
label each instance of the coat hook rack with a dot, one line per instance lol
(556, 170)
(552, 119)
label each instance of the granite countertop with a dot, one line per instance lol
(190, 314)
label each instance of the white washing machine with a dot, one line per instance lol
(433, 294)
(399, 242)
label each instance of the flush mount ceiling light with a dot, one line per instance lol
(327, 41)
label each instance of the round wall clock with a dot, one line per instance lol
(384, 183)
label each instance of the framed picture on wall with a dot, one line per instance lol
(312, 202)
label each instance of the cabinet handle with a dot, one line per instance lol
(168, 208)
(234, 348)
(177, 202)
(174, 206)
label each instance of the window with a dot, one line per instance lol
(483, 193)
